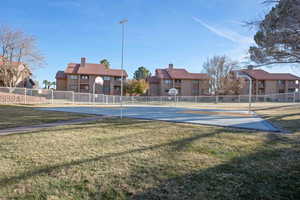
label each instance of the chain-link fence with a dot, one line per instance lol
(44, 96)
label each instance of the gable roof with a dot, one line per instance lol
(179, 73)
(260, 74)
(93, 69)
(60, 75)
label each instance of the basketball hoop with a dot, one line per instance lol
(99, 80)
(173, 92)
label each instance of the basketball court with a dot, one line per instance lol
(215, 117)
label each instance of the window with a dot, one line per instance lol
(292, 82)
(73, 77)
(195, 91)
(281, 82)
(84, 77)
(179, 91)
(195, 81)
(167, 81)
(117, 78)
(106, 89)
(73, 87)
(291, 90)
(84, 87)
(106, 78)
(281, 91)
(117, 88)
(177, 81)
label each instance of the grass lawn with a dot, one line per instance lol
(137, 159)
(13, 116)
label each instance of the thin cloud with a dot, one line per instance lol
(227, 34)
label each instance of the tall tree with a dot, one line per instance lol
(278, 35)
(136, 87)
(218, 68)
(231, 85)
(106, 63)
(46, 84)
(18, 55)
(141, 73)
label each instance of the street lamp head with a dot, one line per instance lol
(123, 21)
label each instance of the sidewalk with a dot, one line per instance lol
(25, 129)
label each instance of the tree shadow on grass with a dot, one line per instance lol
(251, 177)
(290, 124)
(271, 173)
(49, 169)
(268, 174)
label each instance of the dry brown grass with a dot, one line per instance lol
(14, 116)
(138, 159)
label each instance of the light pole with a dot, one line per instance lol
(239, 75)
(123, 22)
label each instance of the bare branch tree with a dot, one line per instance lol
(19, 55)
(218, 68)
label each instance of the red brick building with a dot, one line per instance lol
(80, 77)
(270, 83)
(187, 84)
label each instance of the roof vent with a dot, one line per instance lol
(83, 61)
(171, 66)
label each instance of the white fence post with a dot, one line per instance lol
(73, 97)
(217, 99)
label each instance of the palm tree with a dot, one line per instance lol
(53, 84)
(105, 63)
(46, 84)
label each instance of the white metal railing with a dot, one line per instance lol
(44, 96)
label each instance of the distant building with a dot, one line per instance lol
(270, 83)
(80, 77)
(187, 84)
(19, 75)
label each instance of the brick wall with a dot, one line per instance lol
(8, 98)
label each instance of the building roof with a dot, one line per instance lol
(177, 73)
(13, 63)
(93, 69)
(60, 75)
(153, 79)
(260, 74)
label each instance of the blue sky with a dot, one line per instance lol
(184, 32)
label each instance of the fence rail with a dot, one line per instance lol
(44, 96)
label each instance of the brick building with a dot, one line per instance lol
(80, 77)
(270, 83)
(187, 84)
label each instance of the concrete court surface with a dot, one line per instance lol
(216, 117)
